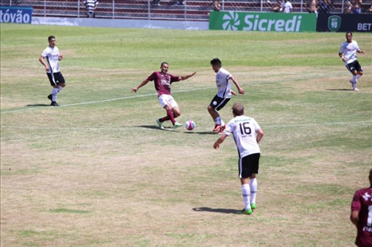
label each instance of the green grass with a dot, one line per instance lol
(97, 171)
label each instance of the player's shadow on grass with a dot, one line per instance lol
(171, 129)
(38, 105)
(339, 89)
(217, 210)
(150, 127)
(201, 133)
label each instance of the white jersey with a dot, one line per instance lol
(52, 56)
(350, 51)
(223, 83)
(287, 7)
(244, 130)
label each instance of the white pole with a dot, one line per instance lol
(261, 5)
(113, 9)
(148, 10)
(44, 8)
(223, 5)
(78, 8)
(185, 10)
(302, 3)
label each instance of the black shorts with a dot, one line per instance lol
(55, 78)
(354, 66)
(218, 103)
(249, 165)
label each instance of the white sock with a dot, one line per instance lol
(54, 94)
(253, 185)
(355, 78)
(245, 194)
(222, 122)
(358, 76)
(217, 120)
(59, 88)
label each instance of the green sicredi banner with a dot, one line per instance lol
(266, 22)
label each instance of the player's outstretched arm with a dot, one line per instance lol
(182, 78)
(361, 51)
(135, 89)
(240, 89)
(219, 141)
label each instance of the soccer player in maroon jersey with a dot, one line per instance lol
(162, 81)
(361, 215)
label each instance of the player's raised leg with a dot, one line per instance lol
(217, 104)
(176, 113)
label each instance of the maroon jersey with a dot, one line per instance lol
(162, 82)
(362, 202)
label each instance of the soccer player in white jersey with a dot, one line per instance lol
(348, 54)
(247, 134)
(223, 95)
(50, 59)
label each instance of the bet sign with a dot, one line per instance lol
(364, 27)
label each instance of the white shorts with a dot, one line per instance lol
(166, 99)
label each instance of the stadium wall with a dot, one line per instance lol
(115, 23)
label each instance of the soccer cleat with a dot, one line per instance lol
(54, 103)
(177, 125)
(253, 206)
(50, 97)
(222, 129)
(160, 124)
(246, 211)
(355, 89)
(217, 128)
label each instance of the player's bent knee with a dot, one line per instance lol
(361, 73)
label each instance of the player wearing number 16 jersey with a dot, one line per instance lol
(361, 215)
(247, 134)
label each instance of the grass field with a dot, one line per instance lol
(97, 172)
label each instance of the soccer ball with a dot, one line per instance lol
(190, 125)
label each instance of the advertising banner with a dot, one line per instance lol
(344, 23)
(265, 22)
(10, 14)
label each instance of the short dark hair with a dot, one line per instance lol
(348, 33)
(216, 61)
(50, 38)
(161, 65)
(238, 109)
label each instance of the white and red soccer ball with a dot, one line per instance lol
(190, 125)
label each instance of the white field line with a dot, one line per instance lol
(275, 126)
(152, 94)
(102, 101)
